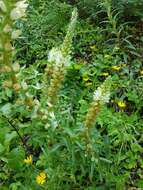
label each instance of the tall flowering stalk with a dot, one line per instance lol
(100, 97)
(59, 58)
(10, 11)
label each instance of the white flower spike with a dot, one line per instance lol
(19, 10)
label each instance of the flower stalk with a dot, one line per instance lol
(100, 97)
(10, 11)
(59, 59)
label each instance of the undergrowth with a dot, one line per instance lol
(71, 95)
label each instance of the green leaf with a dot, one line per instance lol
(136, 148)
(9, 137)
(16, 157)
(15, 186)
(2, 148)
(6, 109)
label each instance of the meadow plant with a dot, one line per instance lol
(11, 11)
(100, 97)
(59, 59)
(56, 152)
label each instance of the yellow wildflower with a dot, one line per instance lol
(28, 160)
(105, 74)
(41, 178)
(121, 104)
(116, 68)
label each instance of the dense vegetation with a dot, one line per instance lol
(71, 95)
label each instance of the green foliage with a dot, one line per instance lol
(49, 18)
(37, 137)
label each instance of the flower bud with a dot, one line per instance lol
(16, 87)
(19, 102)
(15, 34)
(29, 101)
(24, 85)
(8, 46)
(16, 67)
(7, 83)
(7, 28)
(6, 69)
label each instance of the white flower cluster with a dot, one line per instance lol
(19, 10)
(102, 94)
(99, 95)
(56, 56)
(61, 56)
(14, 34)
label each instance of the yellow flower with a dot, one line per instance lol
(105, 74)
(41, 178)
(121, 104)
(141, 72)
(28, 160)
(116, 68)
